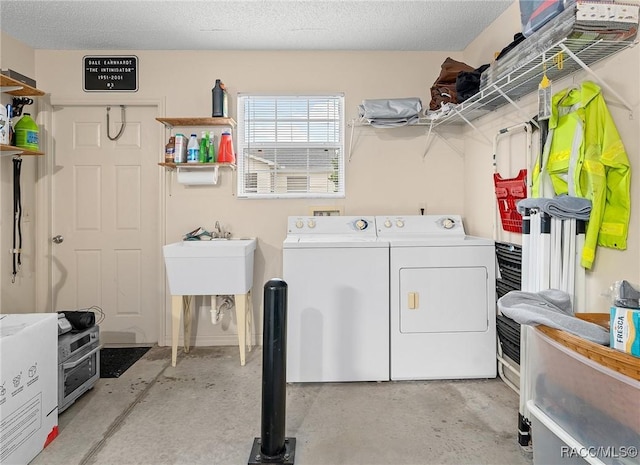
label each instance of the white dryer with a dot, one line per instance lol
(442, 298)
(337, 274)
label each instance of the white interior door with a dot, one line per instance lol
(105, 212)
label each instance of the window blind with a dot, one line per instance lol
(290, 146)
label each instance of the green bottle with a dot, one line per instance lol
(204, 148)
(212, 148)
(27, 133)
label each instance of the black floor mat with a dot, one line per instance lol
(115, 361)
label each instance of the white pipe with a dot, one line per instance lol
(545, 262)
(556, 251)
(525, 267)
(572, 261)
(579, 304)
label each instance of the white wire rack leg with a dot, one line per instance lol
(602, 83)
(504, 363)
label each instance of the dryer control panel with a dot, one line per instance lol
(447, 225)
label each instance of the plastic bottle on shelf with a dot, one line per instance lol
(12, 134)
(193, 149)
(203, 156)
(27, 133)
(180, 155)
(219, 100)
(170, 150)
(4, 125)
(225, 152)
(212, 156)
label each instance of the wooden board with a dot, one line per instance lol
(195, 121)
(25, 91)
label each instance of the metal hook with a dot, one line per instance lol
(124, 124)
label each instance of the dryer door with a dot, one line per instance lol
(440, 300)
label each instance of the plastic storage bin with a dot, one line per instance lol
(552, 444)
(508, 193)
(536, 13)
(595, 405)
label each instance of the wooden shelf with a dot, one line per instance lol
(13, 150)
(173, 166)
(16, 88)
(172, 122)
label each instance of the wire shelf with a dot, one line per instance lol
(577, 38)
(526, 78)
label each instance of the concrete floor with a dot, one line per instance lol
(206, 410)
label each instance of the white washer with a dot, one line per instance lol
(442, 298)
(337, 274)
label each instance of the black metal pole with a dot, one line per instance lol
(272, 446)
(274, 366)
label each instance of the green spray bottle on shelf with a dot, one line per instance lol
(203, 156)
(212, 155)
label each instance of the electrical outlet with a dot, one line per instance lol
(422, 208)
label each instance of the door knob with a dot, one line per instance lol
(57, 239)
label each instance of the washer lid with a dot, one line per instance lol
(331, 241)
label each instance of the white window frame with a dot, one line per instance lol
(243, 146)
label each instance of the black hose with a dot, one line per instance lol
(17, 218)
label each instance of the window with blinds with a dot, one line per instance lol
(290, 146)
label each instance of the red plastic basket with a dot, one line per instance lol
(508, 192)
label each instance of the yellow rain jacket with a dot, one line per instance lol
(586, 158)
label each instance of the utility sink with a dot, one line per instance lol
(216, 267)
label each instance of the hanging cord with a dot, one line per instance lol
(99, 311)
(17, 218)
(124, 124)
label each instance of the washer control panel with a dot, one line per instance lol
(347, 225)
(361, 224)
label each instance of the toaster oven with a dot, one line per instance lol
(78, 364)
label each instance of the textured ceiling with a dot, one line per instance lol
(444, 25)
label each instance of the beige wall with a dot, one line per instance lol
(391, 171)
(17, 297)
(388, 172)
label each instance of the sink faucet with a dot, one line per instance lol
(219, 232)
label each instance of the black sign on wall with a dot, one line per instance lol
(110, 73)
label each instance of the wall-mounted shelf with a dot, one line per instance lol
(524, 80)
(173, 122)
(173, 166)
(196, 173)
(18, 89)
(580, 36)
(13, 150)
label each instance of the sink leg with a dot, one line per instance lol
(187, 322)
(241, 315)
(249, 320)
(176, 310)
